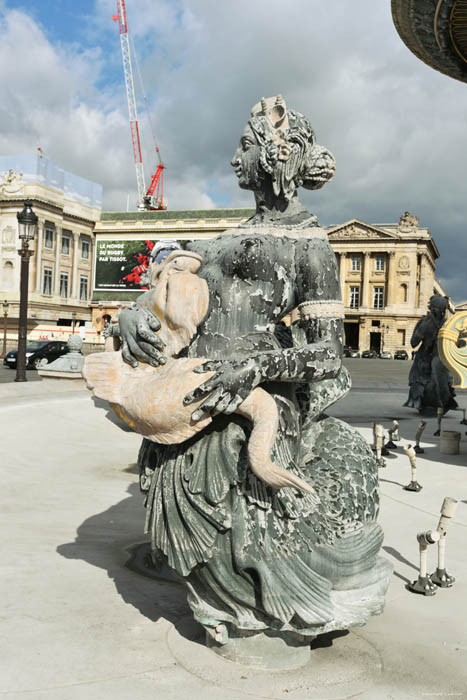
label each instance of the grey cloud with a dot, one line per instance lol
(395, 126)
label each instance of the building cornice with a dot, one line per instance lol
(47, 206)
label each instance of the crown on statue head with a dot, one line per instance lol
(274, 110)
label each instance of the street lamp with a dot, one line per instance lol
(384, 332)
(27, 225)
(5, 316)
(73, 321)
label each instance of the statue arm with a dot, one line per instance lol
(322, 316)
(318, 297)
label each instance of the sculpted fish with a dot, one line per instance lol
(150, 399)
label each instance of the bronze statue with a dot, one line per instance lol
(430, 382)
(257, 558)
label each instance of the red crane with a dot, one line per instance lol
(153, 197)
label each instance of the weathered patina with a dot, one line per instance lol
(258, 559)
(430, 382)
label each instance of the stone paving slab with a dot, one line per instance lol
(78, 623)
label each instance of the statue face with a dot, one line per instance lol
(438, 306)
(246, 161)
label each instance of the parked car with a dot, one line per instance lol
(36, 351)
(353, 353)
(369, 354)
(401, 355)
(385, 356)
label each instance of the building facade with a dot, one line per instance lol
(387, 271)
(387, 274)
(61, 267)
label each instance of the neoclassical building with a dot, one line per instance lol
(61, 267)
(387, 274)
(387, 271)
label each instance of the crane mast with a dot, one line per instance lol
(153, 197)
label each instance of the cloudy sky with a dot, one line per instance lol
(395, 126)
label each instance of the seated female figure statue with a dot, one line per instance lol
(255, 557)
(430, 382)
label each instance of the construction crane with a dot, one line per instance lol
(153, 197)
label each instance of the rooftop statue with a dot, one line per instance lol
(429, 381)
(276, 543)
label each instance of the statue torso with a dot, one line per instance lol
(251, 280)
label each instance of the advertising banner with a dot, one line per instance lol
(122, 264)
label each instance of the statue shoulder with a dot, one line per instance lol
(316, 271)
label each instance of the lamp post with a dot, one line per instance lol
(27, 224)
(73, 321)
(5, 317)
(384, 331)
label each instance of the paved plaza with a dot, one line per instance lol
(82, 619)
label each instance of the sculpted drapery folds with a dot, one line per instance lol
(254, 556)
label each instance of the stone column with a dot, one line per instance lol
(342, 271)
(365, 296)
(424, 285)
(74, 288)
(39, 244)
(58, 242)
(391, 278)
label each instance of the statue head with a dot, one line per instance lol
(278, 149)
(438, 306)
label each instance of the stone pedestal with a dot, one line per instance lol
(67, 366)
(274, 650)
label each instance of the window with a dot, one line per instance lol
(83, 288)
(379, 262)
(354, 297)
(378, 297)
(64, 285)
(85, 248)
(49, 238)
(66, 244)
(47, 281)
(403, 293)
(356, 263)
(401, 337)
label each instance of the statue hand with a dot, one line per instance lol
(139, 340)
(231, 384)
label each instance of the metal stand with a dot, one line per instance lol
(421, 427)
(384, 451)
(439, 415)
(424, 584)
(440, 577)
(390, 445)
(413, 486)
